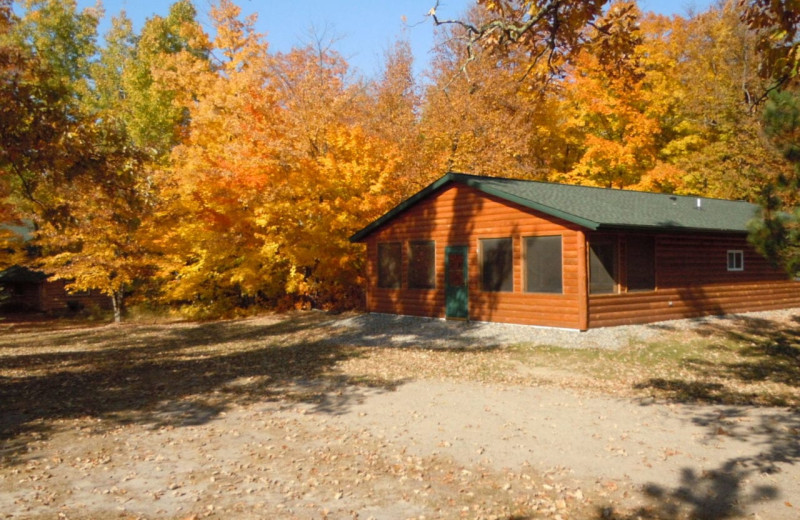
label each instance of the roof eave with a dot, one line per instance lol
(668, 229)
(476, 183)
(548, 210)
(473, 183)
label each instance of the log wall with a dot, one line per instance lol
(55, 298)
(692, 279)
(50, 296)
(460, 215)
(691, 269)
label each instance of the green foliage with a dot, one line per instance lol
(127, 89)
(62, 38)
(777, 233)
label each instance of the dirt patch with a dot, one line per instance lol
(283, 417)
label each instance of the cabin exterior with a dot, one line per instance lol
(24, 290)
(492, 249)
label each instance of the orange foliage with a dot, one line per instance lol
(230, 176)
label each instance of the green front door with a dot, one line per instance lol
(455, 282)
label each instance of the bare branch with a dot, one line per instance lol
(551, 33)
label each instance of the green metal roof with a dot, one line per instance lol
(596, 208)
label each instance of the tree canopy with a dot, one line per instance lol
(194, 167)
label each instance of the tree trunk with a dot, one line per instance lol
(116, 303)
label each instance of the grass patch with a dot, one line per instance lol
(721, 366)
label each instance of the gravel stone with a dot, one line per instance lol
(376, 329)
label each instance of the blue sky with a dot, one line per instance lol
(363, 29)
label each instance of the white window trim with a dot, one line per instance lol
(732, 265)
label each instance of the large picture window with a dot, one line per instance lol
(641, 262)
(421, 264)
(603, 267)
(543, 265)
(497, 265)
(389, 264)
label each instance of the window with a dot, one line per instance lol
(603, 267)
(735, 261)
(422, 264)
(497, 262)
(543, 265)
(641, 263)
(389, 265)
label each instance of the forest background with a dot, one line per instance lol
(198, 171)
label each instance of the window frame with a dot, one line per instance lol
(483, 263)
(734, 254)
(399, 274)
(614, 242)
(526, 259)
(410, 255)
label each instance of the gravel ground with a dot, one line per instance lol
(256, 418)
(376, 329)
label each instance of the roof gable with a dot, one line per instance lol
(596, 208)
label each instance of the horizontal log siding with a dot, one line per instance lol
(460, 215)
(50, 296)
(692, 280)
(55, 298)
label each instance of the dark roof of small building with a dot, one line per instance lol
(596, 208)
(21, 274)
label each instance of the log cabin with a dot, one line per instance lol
(24, 290)
(481, 248)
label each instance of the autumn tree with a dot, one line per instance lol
(611, 116)
(126, 76)
(41, 124)
(719, 141)
(339, 174)
(392, 114)
(274, 173)
(39, 114)
(214, 259)
(14, 73)
(549, 32)
(79, 178)
(775, 24)
(492, 118)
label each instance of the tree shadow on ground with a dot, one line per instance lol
(178, 375)
(184, 374)
(724, 492)
(755, 350)
(394, 331)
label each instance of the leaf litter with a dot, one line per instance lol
(264, 417)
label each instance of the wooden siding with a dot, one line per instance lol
(55, 298)
(690, 269)
(50, 296)
(692, 280)
(460, 215)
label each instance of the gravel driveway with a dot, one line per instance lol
(386, 329)
(421, 448)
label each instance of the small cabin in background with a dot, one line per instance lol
(23, 290)
(493, 249)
